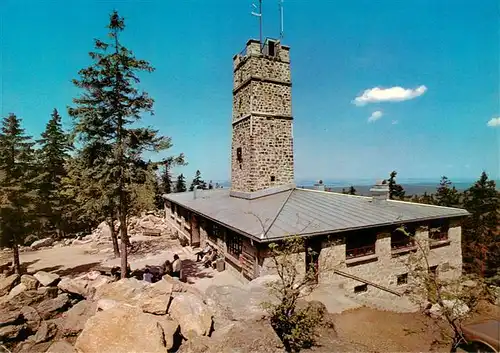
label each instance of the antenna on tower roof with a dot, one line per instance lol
(280, 5)
(259, 15)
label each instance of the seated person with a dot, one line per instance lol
(147, 276)
(167, 268)
(210, 258)
(202, 252)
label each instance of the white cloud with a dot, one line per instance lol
(393, 94)
(494, 122)
(395, 122)
(375, 116)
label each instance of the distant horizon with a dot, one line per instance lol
(345, 182)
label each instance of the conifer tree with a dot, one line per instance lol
(17, 185)
(180, 185)
(352, 190)
(447, 195)
(395, 190)
(197, 181)
(54, 147)
(481, 242)
(104, 114)
(166, 183)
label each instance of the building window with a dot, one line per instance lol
(273, 178)
(438, 230)
(403, 237)
(213, 231)
(402, 279)
(361, 288)
(360, 244)
(234, 244)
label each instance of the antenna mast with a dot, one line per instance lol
(280, 5)
(259, 15)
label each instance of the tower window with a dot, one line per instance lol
(239, 157)
(273, 178)
(271, 48)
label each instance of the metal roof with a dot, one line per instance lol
(305, 212)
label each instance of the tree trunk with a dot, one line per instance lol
(114, 238)
(124, 243)
(17, 263)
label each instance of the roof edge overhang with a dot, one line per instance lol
(337, 231)
(248, 235)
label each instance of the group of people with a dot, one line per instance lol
(169, 268)
(208, 255)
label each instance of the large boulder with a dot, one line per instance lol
(47, 279)
(51, 307)
(124, 329)
(30, 282)
(126, 290)
(194, 316)
(11, 332)
(27, 298)
(31, 317)
(11, 317)
(7, 283)
(156, 297)
(21, 287)
(74, 286)
(5, 266)
(75, 318)
(236, 303)
(41, 243)
(242, 336)
(61, 347)
(46, 331)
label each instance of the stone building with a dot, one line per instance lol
(358, 235)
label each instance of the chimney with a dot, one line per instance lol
(194, 192)
(380, 191)
(319, 186)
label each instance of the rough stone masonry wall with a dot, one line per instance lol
(271, 68)
(385, 270)
(273, 153)
(241, 172)
(271, 98)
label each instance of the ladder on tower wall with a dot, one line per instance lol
(344, 274)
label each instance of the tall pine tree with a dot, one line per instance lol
(197, 181)
(17, 193)
(481, 240)
(166, 183)
(105, 114)
(447, 195)
(53, 153)
(180, 185)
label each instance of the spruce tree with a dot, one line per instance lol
(105, 115)
(17, 183)
(197, 181)
(352, 190)
(54, 148)
(447, 195)
(166, 183)
(395, 189)
(180, 185)
(481, 243)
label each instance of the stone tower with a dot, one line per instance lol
(262, 141)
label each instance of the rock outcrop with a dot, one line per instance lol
(41, 243)
(126, 328)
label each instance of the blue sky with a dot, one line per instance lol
(443, 54)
